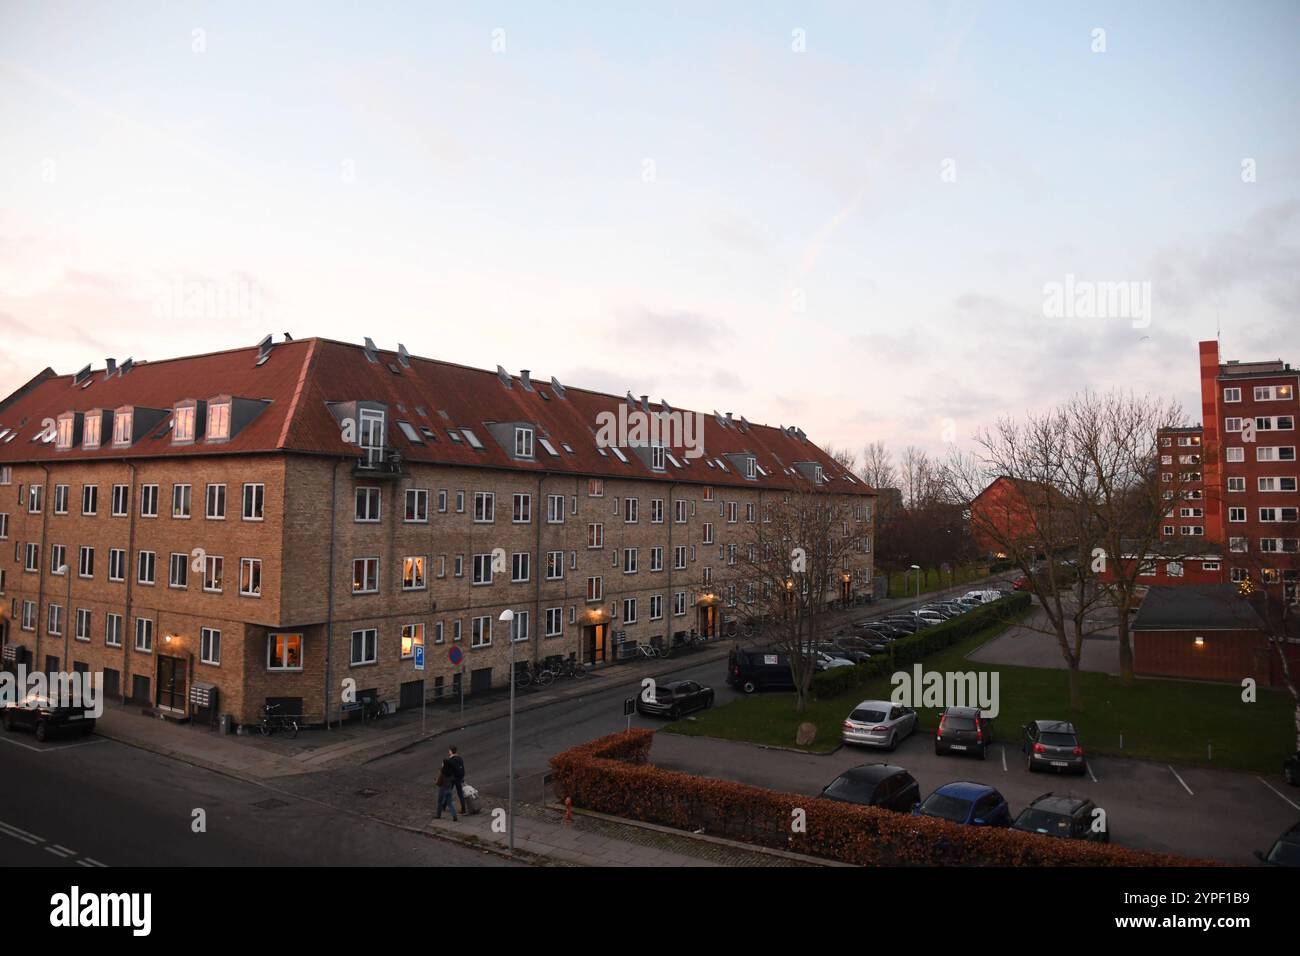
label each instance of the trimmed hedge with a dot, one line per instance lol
(612, 775)
(915, 647)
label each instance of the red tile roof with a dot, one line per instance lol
(300, 377)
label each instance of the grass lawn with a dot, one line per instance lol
(1165, 720)
(903, 584)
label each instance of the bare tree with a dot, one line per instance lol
(788, 571)
(920, 478)
(845, 457)
(878, 466)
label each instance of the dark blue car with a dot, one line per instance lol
(965, 802)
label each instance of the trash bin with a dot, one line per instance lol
(472, 802)
(227, 723)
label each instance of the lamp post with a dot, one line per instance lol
(67, 611)
(917, 569)
(508, 618)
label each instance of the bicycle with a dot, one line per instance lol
(374, 709)
(647, 650)
(571, 668)
(272, 722)
(531, 674)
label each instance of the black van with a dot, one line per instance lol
(751, 670)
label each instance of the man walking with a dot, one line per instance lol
(458, 774)
(445, 782)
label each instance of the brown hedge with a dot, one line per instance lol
(613, 775)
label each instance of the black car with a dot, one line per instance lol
(875, 785)
(868, 641)
(885, 630)
(672, 698)
(849, 648)
(1285, 851)
(1291, 769)
(905, 624)
(1053, 745)
(46, 718)
(753, 670)
(1063, 815)
(963, 730)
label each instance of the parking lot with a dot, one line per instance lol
(1211, 814)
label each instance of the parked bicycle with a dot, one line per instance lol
(648, 650)
(530, 673)
(570, 668)
(273, 720)
(372, 708)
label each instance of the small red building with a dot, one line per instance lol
(1003, 515)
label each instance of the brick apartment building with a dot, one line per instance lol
(271, 522)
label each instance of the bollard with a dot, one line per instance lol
(568, 811)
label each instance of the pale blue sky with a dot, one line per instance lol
(796, 256)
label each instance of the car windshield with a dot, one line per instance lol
(864, 715)
(846, 788)
(1059, 740)
(958, 723)
(949, 808)
(1041, 821)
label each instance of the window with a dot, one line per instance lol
(284, 652)
(733, 512)
(595, 535)
(519, 566)
(484, 507)
(214, 568)
(679, 509)
(656, 607)
(1232, 394)
(630, 557)
(595, 487)
(522, 509)
(121, 501)
(122, 420)
(459, 565)
(209, 646)
(630, 510)
(183, 423)
(178, 570)
(4, 525)
(32, 558)
(480, 632)
(460, 502)
(555, 509)
(523, 442)
(144, 635)
(442, 501)
(1236, 484)
(117, 564)
(250, 577)
(35, 499)
(83, 624)
(1237, 545)
(554, 621)
(365, 575)
(1236, 454)
(708, 532)
(145, 567)
(554, 565)
(1232, 424)
(412, 637)
(656, 559)
(438, 635)
(54, 619)
(113, 630)
(367, 505)
(90, 430)
(413, 573)
(519, 626)
(482, 569)
(218, 421)
(60, 499)
(29, 616)
(679, 558)
(365, 646)
(89, 499)
(749, 513)
(1174, 569)
(679, 603)
(629, 610)
(1273, 393)
(708, 493)
(216, 502)
(6, 475)
(595, 589)
(1209, 565)
(254, 502)
(58, 559)
(180, 501)
(1236, 514)
(148, 501)
(1277, 484)
(471, 438)
(417, 505)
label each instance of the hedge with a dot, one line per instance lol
(915, 647)
(612, 775)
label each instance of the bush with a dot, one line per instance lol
(611, 775)
(915, 647)
(997, 567)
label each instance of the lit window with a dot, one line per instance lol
(219, 421)
(183, 427)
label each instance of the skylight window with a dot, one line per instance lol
(603, 453)
(455, 435)
(567, 447)
(709, 462)
(722, 464)
(545, 443)
(676, 463)
(619, 454)
(409, 431)
(472, 439)
(427, 432)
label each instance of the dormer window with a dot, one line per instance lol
(65, 426)
(523, 442)
(657, 457)
(122, 422)
(90, 430)
(183, 423)
(817, 474)
(219, 421)
(751, 464)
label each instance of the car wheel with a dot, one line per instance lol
(88, 728)
(42, 731)
(1029, 763)
(9, 722)
(708, 702)
(1293, 776)
(749, 687)
(893, 743)
(937, 751)
(984, 753)
(674, 713)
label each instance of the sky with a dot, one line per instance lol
(850, 217)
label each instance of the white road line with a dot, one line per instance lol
(1004, 758)
(1180, 779)
(1088, 764)
(59, 846)
(83, 863)
(94, 862)
(58, 853)
(23, 745)
(1278, 792)
(10, 826)
(33, 841)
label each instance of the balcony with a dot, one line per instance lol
(379, 463)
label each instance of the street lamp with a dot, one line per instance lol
(917, 569)
(67, 607)
(508, 618)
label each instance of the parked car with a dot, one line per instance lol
(875, 785)
(870, 641)
(1285, 851)
(963, 730)
(908, 625)
(1062, 815)
(938, 610)
(754, 670)
(1291, 769)
(1020, 584)
(886, 629)
(965, 802)
(984, 595)
(45, 718)
(825, 662)
(855, 649)
(1053, 745)
(878, 723)
(673, 698)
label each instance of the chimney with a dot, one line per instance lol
(645, 404)
(112, 367)
(525, 380)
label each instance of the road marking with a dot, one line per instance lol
(1088, 764)
(1278, 792)
(83, 863)
(1180, 779)
(17, 834)
(93, 862)
(58, 853)
(23, 745)
(59, 846)
(1004, 758)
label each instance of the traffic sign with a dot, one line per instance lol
(629, 706)
(419, 657)
(455, 655)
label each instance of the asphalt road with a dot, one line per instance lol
(95, 802)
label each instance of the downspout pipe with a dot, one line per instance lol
(329, 609)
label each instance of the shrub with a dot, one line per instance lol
(611, 775)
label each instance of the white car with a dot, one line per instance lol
(878, 723)
(824, 662)
(987, 596)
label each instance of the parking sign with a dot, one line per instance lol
(419, 657)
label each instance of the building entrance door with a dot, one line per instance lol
(708, 617)
(597, 639)
(171, 682)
